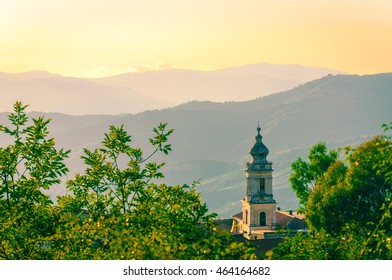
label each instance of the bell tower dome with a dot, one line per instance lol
(259, 154)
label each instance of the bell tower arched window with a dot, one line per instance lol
(263, 219)
(262, 185)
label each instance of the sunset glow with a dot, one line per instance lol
(88, 38)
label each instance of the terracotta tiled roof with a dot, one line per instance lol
(283, 218)
(292, 220)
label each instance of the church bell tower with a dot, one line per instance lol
(258, 204)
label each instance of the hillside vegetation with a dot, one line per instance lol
(211, 140)
(119, 207)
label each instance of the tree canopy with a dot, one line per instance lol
(119, 208)
(349, 210)
(305, 173)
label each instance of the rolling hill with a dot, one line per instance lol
(211, 140)
(138, 92)
(70, 95)
(239, 83)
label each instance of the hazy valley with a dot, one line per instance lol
(211, 139)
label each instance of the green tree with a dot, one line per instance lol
(349, 211)
(28, 167)
(119, 210)
(352, 192)
(117, 174)
(305, 173)
(317, 246)
(378, 243)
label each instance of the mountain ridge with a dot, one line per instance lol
(220, 85)
(209, 137)
(150, 90)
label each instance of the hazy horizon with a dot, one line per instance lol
(159, 67)
(150, 90)
(207, 50)
(95, 39)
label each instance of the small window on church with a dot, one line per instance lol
(263, 218)
(246, 217)
(262, 185)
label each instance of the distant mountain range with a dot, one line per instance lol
(138, 92)
(212, 140)
(229, 84)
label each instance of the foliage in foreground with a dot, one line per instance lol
(349, 209)
(117, 209)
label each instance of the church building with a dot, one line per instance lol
(260, 217)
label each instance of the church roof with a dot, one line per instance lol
(283, 218)
(291, 221)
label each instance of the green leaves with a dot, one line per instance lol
(161, 138)
(305, 174)
(351, 191)
(116, 142)
(131, 215)
(349, 209)
(28, 166)
(116, 209)
(117, 172)
(18, 119)
(32, 162)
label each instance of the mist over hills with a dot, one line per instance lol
(138, 92)
(212, 140)
(72, 96)
(239, 83)
(27, 76)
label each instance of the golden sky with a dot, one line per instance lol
(105, 37)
